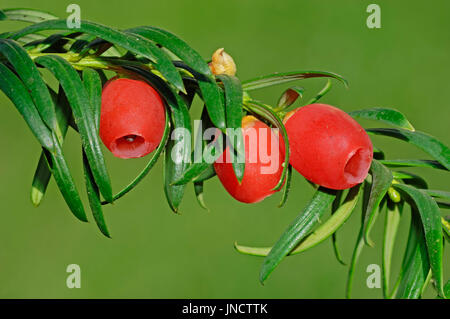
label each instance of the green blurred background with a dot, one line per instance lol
(156, 254)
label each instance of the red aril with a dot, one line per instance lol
(327, 146)
(263, 163)
(132, 118)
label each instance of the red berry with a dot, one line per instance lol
(261, 173)
(132, 118)
(328, 147)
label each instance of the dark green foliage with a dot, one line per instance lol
(78, 59)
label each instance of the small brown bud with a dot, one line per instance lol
(222, 63)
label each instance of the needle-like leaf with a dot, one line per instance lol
(172, 171)
(82, 112)
(322, 232)
(286, 187)
(18, 94)
(431, 222)
(392, 222)
(94, 197)
(381, 181)
(359, 245)
(334, 207)
(64, 180)
(42, 175)
(180, 48)
(384, 115)
(425, 142)
(308, 218)
(415, 266)
(410, 179)
(278, 78)
(413, 163)
(437, 193)
(27, 15)
(234, 113)
(93, 85)
(198, 189)
(40, 182)
(132, 42)
(30, 76)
